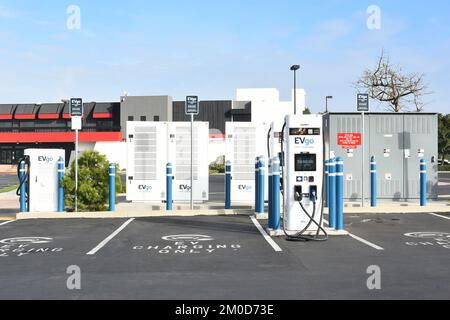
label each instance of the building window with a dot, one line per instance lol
(130, 118)
(156, 118)
(143, 118)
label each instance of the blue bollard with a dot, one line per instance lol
(373, 182)
(327, 185)
(423, 183)
(256, 184)
(269, 174)
(339, 194)
(275, 217)
(61, 166)
(169, 181)
(332, 189)
(261, 181)
(23, 187)
(112, 187)
(228, 185)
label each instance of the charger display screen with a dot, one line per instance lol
(305, 162)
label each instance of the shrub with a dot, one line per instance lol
(93, 183)
(217, 166)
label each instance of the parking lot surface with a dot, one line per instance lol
(224, 258)
(444, 184)
(8, 180)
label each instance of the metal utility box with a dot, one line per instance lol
(179, 154)
(398, 141)
(151, 145)
(244, 142)
(43, 179)
(147, 160)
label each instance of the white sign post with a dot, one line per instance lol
(363, 107)
(192, 109)
(76, 112)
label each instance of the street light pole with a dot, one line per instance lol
(294, 68)
(326, 103)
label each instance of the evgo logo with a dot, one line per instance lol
(304, 141)
(145, 188)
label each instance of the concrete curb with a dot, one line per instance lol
(123, 215)
(9, 198)
(330, 232)
(442, 208)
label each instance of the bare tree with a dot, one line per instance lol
(389, 84)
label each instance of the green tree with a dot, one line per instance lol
(444, 136)
(93, 183)
(307, 111)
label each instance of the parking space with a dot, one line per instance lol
(34, 255)
(224, 258)
(8, 180)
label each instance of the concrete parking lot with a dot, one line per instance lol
(444, 185)
(224, 258)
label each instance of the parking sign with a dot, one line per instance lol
(192, 107)
(76, 107)
(363, 102)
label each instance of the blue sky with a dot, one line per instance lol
(210, 48)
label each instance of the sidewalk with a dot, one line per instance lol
(9, 207)
(397, 207)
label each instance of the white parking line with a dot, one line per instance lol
(370, 244)
(438, 215)
(266, 236)
(4, 223)
(104, 242)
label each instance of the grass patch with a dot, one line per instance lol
(8, 189)
(444, 168)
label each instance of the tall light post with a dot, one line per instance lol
(294, 68)
(326, 103)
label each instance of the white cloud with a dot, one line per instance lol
(327, 33)
(7, 13)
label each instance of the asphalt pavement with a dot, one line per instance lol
(7, 180)
(444, 184)
(224, 258)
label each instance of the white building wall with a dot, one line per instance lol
(115, 152)
(267, 107)
(216, 149)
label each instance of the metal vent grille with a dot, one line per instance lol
(145, 153)
(244, 153)
(183, 153)
(418, 125)
(349, 125)
(389, 124)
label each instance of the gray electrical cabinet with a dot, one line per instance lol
(398, 141)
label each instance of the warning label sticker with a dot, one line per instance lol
(349, 140)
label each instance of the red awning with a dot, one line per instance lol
(48, 116)
(26, 112)
(103, 110)
(50, 111)
(7, 111)
(25, 116)
(36, 137)
(102, 115)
